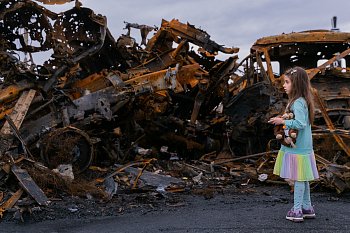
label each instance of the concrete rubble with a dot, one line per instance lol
(105, 115)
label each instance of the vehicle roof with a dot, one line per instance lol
(311, 36)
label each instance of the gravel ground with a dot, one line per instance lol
(252, 208)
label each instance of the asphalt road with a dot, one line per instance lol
(260, 209)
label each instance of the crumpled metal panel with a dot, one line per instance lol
(26, 26)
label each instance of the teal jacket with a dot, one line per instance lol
(302, 124)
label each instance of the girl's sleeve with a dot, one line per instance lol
(301, 116)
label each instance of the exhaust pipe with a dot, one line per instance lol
(334, 24)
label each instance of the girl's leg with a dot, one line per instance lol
(306, 198)
(299, 189)
(296, 214)
(308, 209)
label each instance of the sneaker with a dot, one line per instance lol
(309, 213)
(295, 216)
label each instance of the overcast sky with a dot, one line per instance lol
(232, 23)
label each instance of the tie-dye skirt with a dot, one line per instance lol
(299, 167)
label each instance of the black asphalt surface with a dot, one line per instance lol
(253, 209)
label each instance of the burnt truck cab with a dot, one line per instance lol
(325, 56)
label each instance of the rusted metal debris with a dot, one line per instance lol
(27, 183)
(98, 101)
(10, 202)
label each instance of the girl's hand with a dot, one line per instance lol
(276, 121)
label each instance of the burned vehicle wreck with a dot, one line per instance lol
(142, 90)
(325, 56)
(323, 53)
(100, 99)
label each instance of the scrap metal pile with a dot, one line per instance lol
(98, 101)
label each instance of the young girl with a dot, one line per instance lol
(298, 164)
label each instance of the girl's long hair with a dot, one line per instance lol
(301, 87)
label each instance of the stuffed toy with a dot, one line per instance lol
(286, 137)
